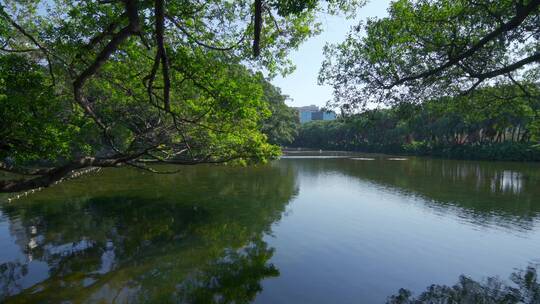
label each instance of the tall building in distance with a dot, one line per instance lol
(312, 112)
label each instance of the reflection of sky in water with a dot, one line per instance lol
(68, 248)
(23, 271)
(107, 258)
(18, 270)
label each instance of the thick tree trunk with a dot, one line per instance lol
(257, 28)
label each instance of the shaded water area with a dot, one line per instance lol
(305, 229)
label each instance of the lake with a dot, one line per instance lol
(309, 228)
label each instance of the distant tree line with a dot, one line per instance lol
(500, 122)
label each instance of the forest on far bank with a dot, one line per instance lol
(494, 123)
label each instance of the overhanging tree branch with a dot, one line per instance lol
(160, 28)
(50, 176)
(522, 12)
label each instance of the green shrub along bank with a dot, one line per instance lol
(492, 151)
(495, 123)
(495, 151)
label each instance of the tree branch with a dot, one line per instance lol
(212, 47)
(522, 12)
(257, 28)
(509, 68)
(132, 28)
(160, 29)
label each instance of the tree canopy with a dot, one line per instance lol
(105, 83)
(431, 48)
(282, 126)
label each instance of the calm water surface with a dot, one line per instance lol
(299, 230)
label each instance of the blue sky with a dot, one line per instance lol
(302, 85)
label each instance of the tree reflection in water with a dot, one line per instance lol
(235, 278)
(524, 290)
(191, 238)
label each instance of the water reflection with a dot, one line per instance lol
(482, 193)
(507, 181)
(129, 237)
(525, 289)
(357, 229)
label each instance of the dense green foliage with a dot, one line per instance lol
(493, 123)
(282, 126)
(33, 118)
(426, 49)
(106, 83)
